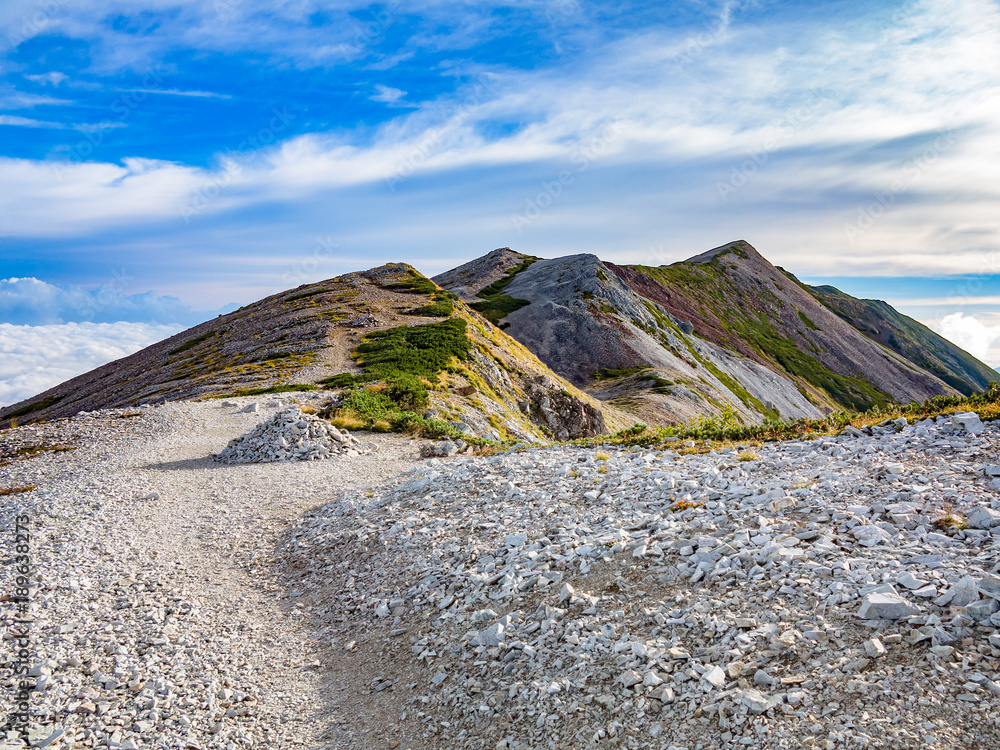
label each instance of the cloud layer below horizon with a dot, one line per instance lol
(35, 358)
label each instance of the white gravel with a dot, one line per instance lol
(554, 598)
(159, 622)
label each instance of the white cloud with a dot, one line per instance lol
(387, 94)
(833, 166)
(29, 301)
(54, 77)
(35, 358)
(27, 122)
(975, 337)
(178, 92)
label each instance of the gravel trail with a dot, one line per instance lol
(833, 593)
(158, 619)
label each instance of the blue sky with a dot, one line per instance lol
(172, 157)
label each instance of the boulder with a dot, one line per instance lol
(983, 517)
(963, 593)
(886, 605)
(968, 421)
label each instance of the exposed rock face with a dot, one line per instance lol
(725, 334)
(565, 416)
(583, 319)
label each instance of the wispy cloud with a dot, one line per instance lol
(27, 122)
(53, 77)
(178, 92)
(387, 94)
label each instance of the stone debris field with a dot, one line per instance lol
(836, 593)
(803, 598)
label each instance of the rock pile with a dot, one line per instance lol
(444, 448)
(819, 594)
(290, 435)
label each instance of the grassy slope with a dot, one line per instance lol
(746, 323)
(716, 433)
(496, 305)
(916, 342)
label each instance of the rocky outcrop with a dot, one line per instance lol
(562, 414)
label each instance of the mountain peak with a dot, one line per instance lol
(468, 279)
(740, 248)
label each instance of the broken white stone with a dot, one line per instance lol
(911, 582)
(782, 503)
(990, 586)
(630, 677)
(879, 605)
(969, 421)
(715, 676)
(491, 636)
(965, 592)
(761, 677)
(754, 700)
(516, 540)
(869, 536)
(874, 648)
(983, 517)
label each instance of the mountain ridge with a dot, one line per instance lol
(589, 346)
(726, 307)
(327, 335)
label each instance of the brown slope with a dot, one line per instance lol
(734, 297)
(306, 334)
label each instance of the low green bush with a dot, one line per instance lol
(407, 392)
(367, 404)
(422, 350)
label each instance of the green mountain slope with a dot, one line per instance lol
(919, 344)
(733, 297)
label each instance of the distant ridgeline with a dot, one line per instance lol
(514, 347)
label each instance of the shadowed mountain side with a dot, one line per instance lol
(883, 324)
